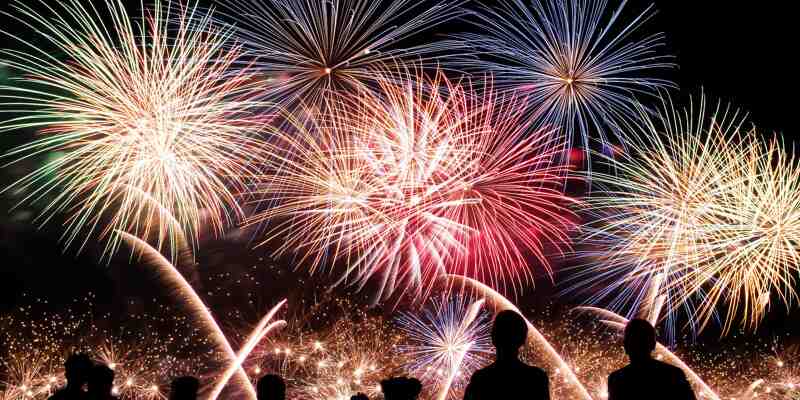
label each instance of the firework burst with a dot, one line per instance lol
(151, 119)
(579, 63)
(446, 343)
(305, 49)
(695, 218)
(755, 238)
(427, 176)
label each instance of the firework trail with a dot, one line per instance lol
(261, 330)
(156, 108)
(429, 177)
(580, 63)
(446, 343)
(307, 51)
(171, 276)
(501, 303)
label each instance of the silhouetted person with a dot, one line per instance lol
(100, 383)
(76, 371)
(184, 388)
(401, 388)
(271, 387)
(359, 396)
(644, 377)
(508, 377)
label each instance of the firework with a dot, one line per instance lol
(755, 238)
(35, 345)
(148, 117)
(699, 214)
(513, 195)
(446, 343)
(579, 63)
(350, 354)
(323, 349)
(653, 210)
(305, 49)
(172, 277)
(428, 177)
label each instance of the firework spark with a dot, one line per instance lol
(429, 177)
(36, 343)
(306, 49)
(579, 63)
(446, 343)
(132, 117)
(351, 354)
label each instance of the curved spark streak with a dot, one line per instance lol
(259, 332)
(181, 248)
(472, 313)
(502, 303)
(617, 321)
(200, 311)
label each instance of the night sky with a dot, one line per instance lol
(735, 51)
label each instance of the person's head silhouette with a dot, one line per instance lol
(359, 396)
(101, 380)
(640, 339)
(509, 333)
(271, 387)
(76, 370)
(401, 388)
(184, 388)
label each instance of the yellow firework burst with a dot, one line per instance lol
(153, 119)
(699, 214)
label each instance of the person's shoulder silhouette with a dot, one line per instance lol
(184, 388)
(401, 388)
(508, 377)
(100, 383)
(76, 372)
(645, 377)
(271, 387)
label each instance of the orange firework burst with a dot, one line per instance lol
(416, 179)
(144, 132)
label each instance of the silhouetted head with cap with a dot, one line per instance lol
(76, 369)
(184, 388)
(271, 387)
(509, 333)
(401, 388)
(640, 339)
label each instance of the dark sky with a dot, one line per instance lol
(738, 51)
(742, 52)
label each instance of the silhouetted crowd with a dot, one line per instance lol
(506, 378)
